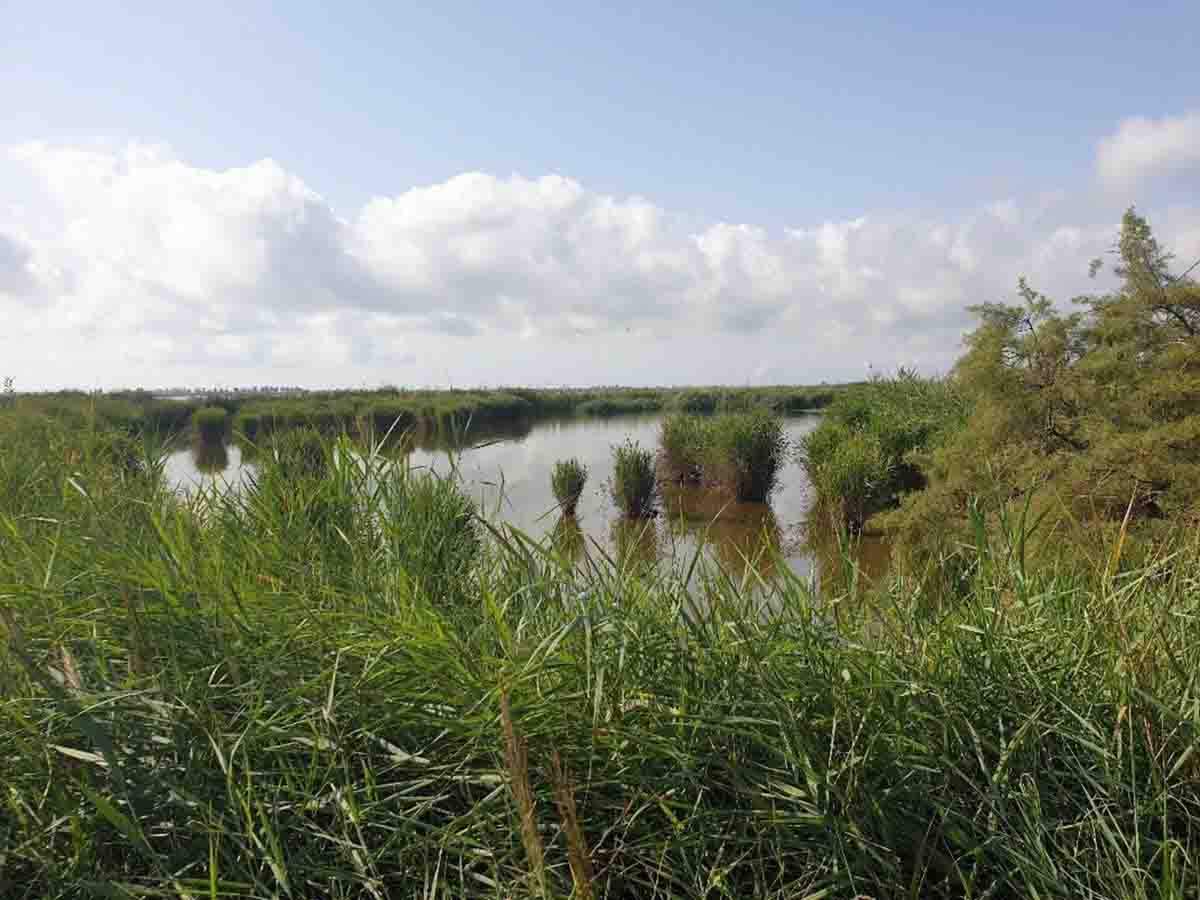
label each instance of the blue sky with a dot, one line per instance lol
(777, 116)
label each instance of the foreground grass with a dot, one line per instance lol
(335, 685)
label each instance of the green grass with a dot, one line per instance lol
(340, 683)
(415, 412)
(746, 451)
(566, 483)
(742, 451)
(684, 440)
(873, 442)
(633, 482)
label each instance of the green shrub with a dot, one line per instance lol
(684, 441)
(633, 485)
(567, 481)
(872, 445)
(853, 466)
(209, 422)
(746, 451)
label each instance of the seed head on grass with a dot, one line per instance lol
(567, 481)
(516, 759)
(633, 485)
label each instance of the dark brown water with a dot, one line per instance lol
(507, 472)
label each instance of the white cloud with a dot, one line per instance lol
(1143, 148)
(133, 266)
(16, 276)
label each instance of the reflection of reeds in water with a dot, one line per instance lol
(846, 562)
(210, 456)
(568, 539)
(636, 542)
(432, 437)
(743, 536)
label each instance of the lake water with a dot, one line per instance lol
(508, 473)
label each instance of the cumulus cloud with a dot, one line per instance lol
(1143, 148)
(16, 279)
(139, 267)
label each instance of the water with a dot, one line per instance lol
(203, 465)
(508, 473)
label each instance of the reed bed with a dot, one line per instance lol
(341, 683)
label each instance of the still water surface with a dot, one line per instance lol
(508, 473)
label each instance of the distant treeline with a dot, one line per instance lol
(397, 409)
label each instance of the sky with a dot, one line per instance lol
(517, 193)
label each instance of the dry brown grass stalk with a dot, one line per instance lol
(516, 757)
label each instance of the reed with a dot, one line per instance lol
(299, 689)
(210, 423)
(633, 484)
(745, 451)
(684, 440)
(567, 480)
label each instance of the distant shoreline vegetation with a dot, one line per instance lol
(397, 410)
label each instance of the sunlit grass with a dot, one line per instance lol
(339, 682)
(633, 488)
(567, 480)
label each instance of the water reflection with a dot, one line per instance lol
(744, 535)
(569, 540)
(846, 562)
(209, 457)
(635, 542)
(201, 464)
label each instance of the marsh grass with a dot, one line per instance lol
(684, 440)
(745, 451)
(633, 481)
(742, 451)
(873, 441)
(298, 690)
(247, 425)
(567, 481)
(210, 423)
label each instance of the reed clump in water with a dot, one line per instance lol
(210, 423)
(745, 452)
(684, 440)
(742, 451)
(567, 481)
(634, 489)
